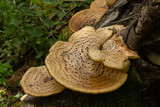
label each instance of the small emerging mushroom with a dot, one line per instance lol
(110, 3)
(38, 82)
(70, 65)
(87, 17)
(114, 53)
(99, 4)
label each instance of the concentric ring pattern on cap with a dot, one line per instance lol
(38, 82)
(70, 65)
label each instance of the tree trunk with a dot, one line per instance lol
(142, 19)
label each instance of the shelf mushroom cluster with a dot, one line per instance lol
(92, 61)
(90, 17)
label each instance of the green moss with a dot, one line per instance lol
(126, 96)
(65, 33)
(21, 104)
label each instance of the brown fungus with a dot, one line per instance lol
(87, 17)
(114, 53)
(99, 4)
(110, 3)
(38, 82)
(70, 65)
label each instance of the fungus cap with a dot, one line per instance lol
(99, 4)
(70, 65)
(114, 53)
(87, 17)
(38, 82)
(110, 3)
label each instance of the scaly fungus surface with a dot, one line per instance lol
(87, 17)
(99, 4)
(38, 82)
(114, 53)
(70, 65)
(90, 17)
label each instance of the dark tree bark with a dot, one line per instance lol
(142, 19)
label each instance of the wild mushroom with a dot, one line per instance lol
(38, 82)
(70, 65)
(110, 3)
(90, 17)
(87, 17)
(99, 4)
(114, 53)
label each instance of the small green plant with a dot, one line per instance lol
(26, 27)
(5, 99)
(5, 71)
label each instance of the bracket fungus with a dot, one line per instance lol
(90, 17)
(114, 53)
(70, 65)
(99, 4)
(110, 3)
(87, 17)
(38, 82)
